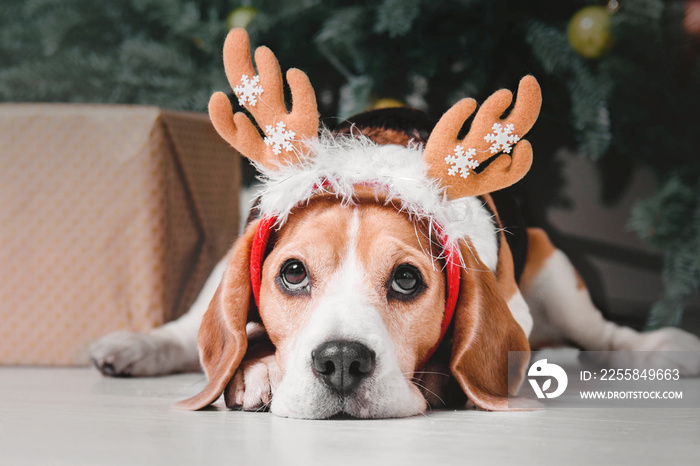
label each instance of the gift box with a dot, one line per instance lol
(111, 219)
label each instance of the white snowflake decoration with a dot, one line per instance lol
(463, 161)
(501, 139)
(279, 137)
(248, 90)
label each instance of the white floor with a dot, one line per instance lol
(77, 417)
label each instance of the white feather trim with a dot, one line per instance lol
(342, 161)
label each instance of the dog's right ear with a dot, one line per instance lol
(222, 335)
(485, 331)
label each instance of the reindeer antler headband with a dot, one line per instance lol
(291, 142)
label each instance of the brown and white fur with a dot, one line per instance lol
(350, 250)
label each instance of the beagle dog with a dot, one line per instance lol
(374, 277)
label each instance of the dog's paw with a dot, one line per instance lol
(666, 348)
(127, 354)
(669, 339)
(254, 383)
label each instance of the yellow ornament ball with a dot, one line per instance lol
(240, 17)
(589, 31)
(386, 102)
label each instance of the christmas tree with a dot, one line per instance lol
(620, 79)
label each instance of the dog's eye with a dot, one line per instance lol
(406, 280)
(294, 276)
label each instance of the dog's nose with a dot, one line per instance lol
(342, 365)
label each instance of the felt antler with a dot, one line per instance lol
(452, 162)
(263, 96)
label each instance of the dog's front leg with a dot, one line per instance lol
(257, 377)
(165, 350)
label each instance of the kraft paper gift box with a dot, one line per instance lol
(111, 217)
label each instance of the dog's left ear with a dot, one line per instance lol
(222, 335)
(484, 332)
